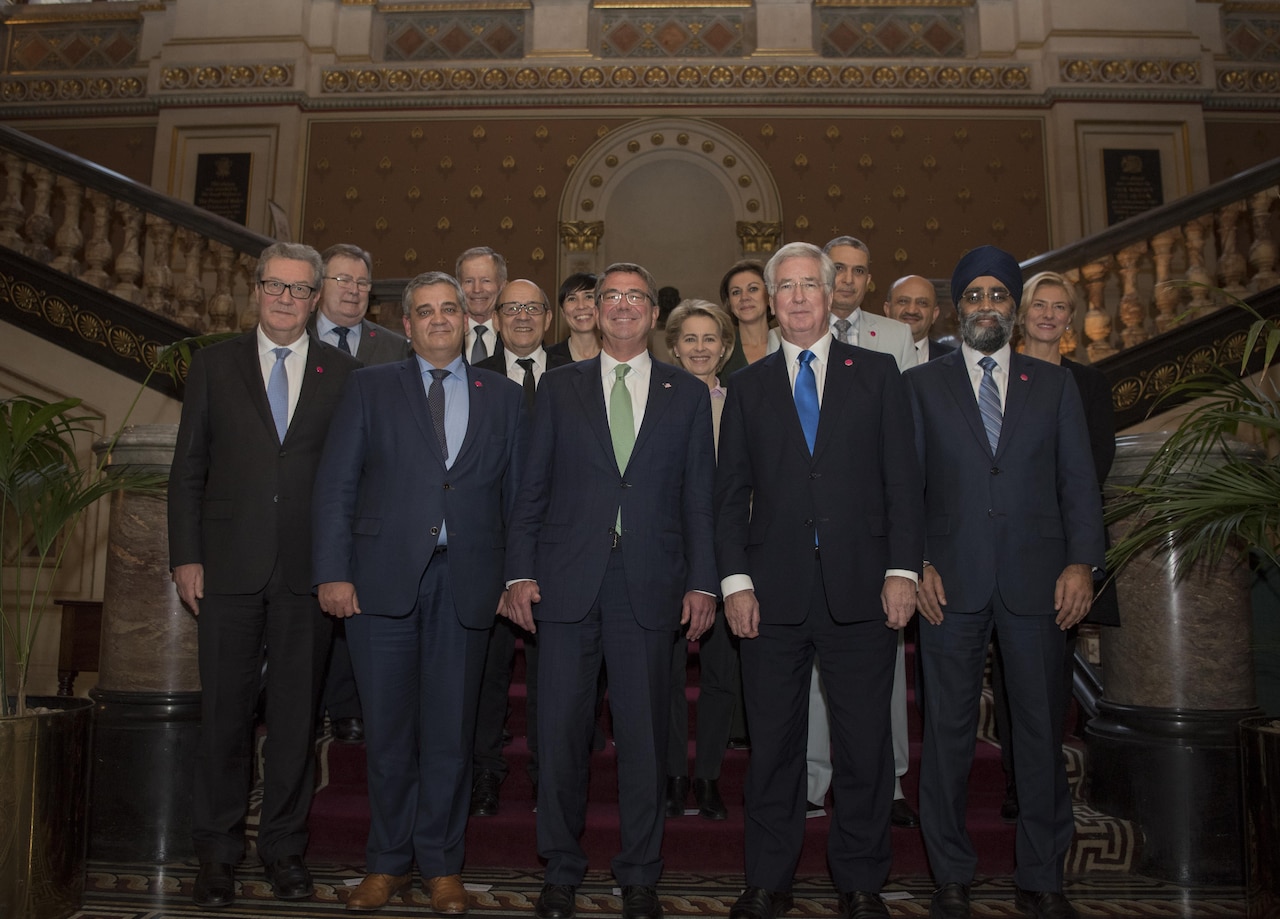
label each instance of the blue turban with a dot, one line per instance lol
(982, 261)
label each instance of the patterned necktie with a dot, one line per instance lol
(278, 392)
(435, 404)
(622, 423)
(530, 386)
(342, 332)
(807, 399)
(478, 351)
(842, 330)
(989, 402)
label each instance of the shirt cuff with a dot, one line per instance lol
(903, 573)
(518, 580)
(734, 583)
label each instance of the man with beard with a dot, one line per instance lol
(1014, 536)
(913, 302)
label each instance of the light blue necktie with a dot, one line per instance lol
(278, 392)
(622, 424)
(807, 399)
(989, 402)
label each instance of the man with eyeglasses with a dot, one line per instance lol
(255, 416)
(1014, 537)
(608, 555)
(339, 320)
(523, 318)
(819, 535)
(914, 301)
(482, 272)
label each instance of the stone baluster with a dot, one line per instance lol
(1231, 261)
(129, 261)
(190, 292)
(11, 211)
(159, 274)
(39, 225)
(1262, 252)
(248, 269)
(97, 252)
(1168, 295)
(1132, 311)
(1199, 236)
(1097, 322)
(1069, 344)
(69, 237)
(222, 305)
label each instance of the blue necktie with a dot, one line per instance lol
(342, 332)
(989, 403)
(807, 399)
(278, 392)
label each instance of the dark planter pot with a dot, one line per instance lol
(44, 809)
(1260, 775)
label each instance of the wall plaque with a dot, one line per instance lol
(222, 184)
(1133, 181)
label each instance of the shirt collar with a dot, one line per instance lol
(266, 345)
(639, 364)
(325, 325)
(971, 357)
(539, 356)
(821, 349)
(457, 367)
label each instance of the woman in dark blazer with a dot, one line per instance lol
(577, 301)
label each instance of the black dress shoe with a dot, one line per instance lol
(1009, 807)
(215, 886)
(348, 730)
(290, 878)
(707, 793)
(758, 903)
(1044, 904)
(950, 901)
(860, 904)
(639, 902)
(677, 791)
(901, 814)
(484, 794)
(555, 902)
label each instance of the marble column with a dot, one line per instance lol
(1177, 677)
(148, 692)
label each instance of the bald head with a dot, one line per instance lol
(913, 300)
(521, 330)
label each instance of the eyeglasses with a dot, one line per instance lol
(634, 297)
(346, 280)
(515, 308)
(995, 296)
(807, 288)
(275, 288)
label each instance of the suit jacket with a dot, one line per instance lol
(570, 493)
(378, 344)
(1014, 520)
(1099, 415)
(239, 499)
(935, 349)
(498, 362)
(888, 336)
(386, 489)
(861, 487)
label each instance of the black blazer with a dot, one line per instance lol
(378, 344)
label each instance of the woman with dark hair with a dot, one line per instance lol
(745, 297)
(577, 300)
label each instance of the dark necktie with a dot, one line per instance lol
(842, 330)
(435, 404)
(989, 403)
(807, 399)
(278, 392)
(478, 350)
(530, 386)
(342, 332)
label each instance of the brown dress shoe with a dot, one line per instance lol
(448, 896)
(376, 890)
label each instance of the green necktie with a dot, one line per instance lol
(622, 423)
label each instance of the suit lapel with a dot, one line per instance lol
(416, 397)
(591, 396)
(781, 400)
(476, 396)
(1021, 376)
(250, 369)
(842, 365)
(662, 389)
(957, 377)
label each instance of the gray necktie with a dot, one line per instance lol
(989, 403)
(435, 405)
(842, 330)
(278, 392)
(478, 351)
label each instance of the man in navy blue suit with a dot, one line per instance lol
(819, 539)
(411, 507)
(609, 554)
(1014, 536)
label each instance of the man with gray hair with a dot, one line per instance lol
(482, 272)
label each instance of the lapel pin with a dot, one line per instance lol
(666, 385)
(319, 370)
(479, 384)
(1024, 378)
(873, 333)
(848, 362)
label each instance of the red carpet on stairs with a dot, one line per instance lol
(340, 815)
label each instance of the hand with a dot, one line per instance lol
(190, 582)
(931, 598)
(1073, 595)
(898, 597)
(338, 598)
(697, 612)
(519, 606)
(742, 610)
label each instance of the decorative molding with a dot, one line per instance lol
(691, 32)
(894, 33)
(117, 15)
(462, 6)
(852, 4)
(581, 235)
(671, 5)
(1182, 72)
(28, 90)
(228, 76)
(759, 236)
(1251, 80)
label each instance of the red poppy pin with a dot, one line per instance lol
(1024, 378)
(479, 384)
(319, 370)
(848, 362)
(666, 385)
(873, 333)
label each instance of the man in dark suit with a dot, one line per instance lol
(339, 320)
(411, 509)
(523, 316)
(482, 272)
(1015, 530)
(610, 553)
(254, 419)
(914, 301)
(819, 535)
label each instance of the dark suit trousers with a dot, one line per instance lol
(719, 677)
(639, 662)
(953, 655)
(233, 631)
(419, 678)
(857, 675)
(340, 698)
(491, 717)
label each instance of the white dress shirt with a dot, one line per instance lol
(637, 382)
(295, 365)
(999, 373)
(516, 372)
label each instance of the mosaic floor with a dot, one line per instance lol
(121, 891)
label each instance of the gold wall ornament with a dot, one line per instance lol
(865, 162)
(899, 193)
(381, 224)
(587, 204)
(410, 256)
(998, 227)
(601, 131)
(753, 205)
(355, 135)
(539, 193)
(868, 223)
(929, 164)
(227, 76)
(541, 132)
(611, 161)
(442, 224)
(352, 193)
(834, 192)
(633, 146)
(581, 235)
(1030, 197)
(416, 133)
(506, 223)
(995, 167)
(833, 133)
(682, 139)
(478, 132)
(384, 164)
(595, 181)
(571, 160)
(446, 163)
(414, 193)
(932, 225)
(900, 255)
(537, 256)
(729, 161)
(961, 136)
(508, 162)
(759, 236)
(708, 146)
(322, 164)
(657, 139)
(476, 193)
(766, 131)
(801, 161)
(744, 181)
(319, 225)
(802, 222)
(964, 196)
(896, 133)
